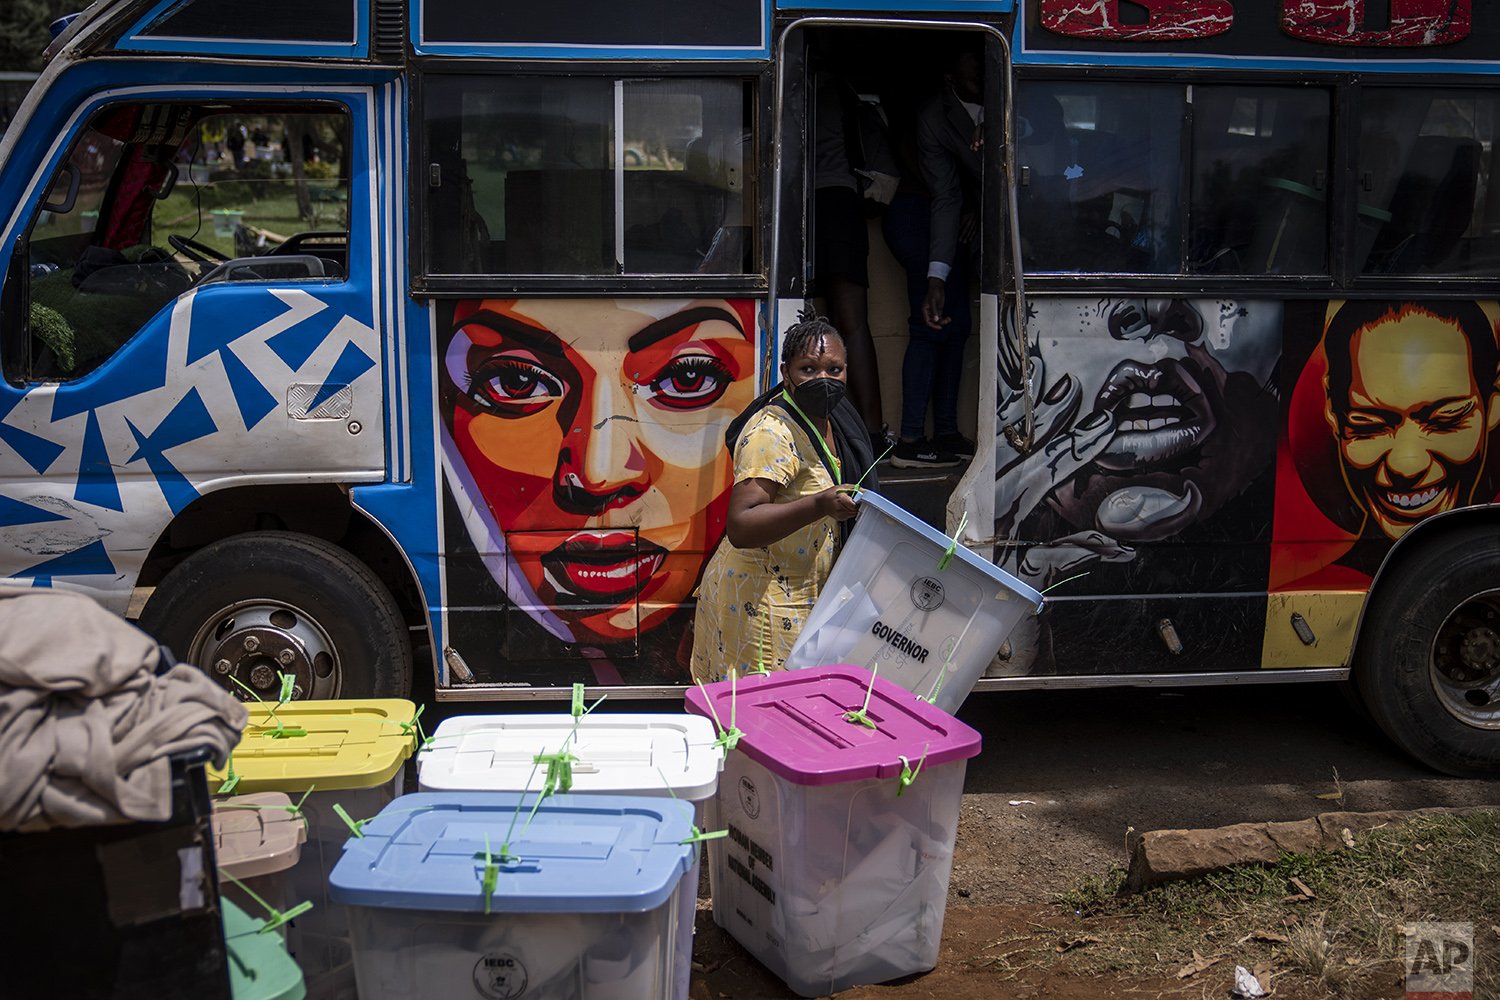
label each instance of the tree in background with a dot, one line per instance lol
(23, 30)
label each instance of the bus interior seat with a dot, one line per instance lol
(1432, 205)
(560, 221)
(1291, 221)
(670, 220)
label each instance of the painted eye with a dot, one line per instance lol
(513, 387)
(1451, 418)
(1358, 422)
(691, 381)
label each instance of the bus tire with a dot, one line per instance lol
(1429, 647)
(252, 607)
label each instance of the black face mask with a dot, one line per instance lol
(818, 396)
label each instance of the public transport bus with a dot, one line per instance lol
(401, 339)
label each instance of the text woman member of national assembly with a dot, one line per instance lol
(798, 450)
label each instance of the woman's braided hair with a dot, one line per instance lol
(805, 333)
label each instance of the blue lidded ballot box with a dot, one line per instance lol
(470, 894)
(912, 604)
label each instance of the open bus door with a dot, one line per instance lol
(900, 66)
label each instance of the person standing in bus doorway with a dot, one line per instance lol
(1411, 398)
(583, 451)
(934, 238)
(853, 169)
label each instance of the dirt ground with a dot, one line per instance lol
(1065, 775)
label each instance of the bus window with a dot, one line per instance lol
(527, 176)
(1260, 181)
(1100, 175)
(151, 200)
(1426, 162)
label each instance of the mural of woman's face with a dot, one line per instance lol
(594, 430)
(1413, 424)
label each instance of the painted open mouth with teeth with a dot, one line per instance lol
(1407, 505)
(1160, 412)
(601, 565)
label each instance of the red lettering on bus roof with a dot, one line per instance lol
(1413, 23)
(1166, 20)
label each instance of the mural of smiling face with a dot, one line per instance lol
(1411, 400)
(593, 431)
(1184, 384)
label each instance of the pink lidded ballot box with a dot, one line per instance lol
(841, 799)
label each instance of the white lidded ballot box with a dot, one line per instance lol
(912, 604)
(472, 895)
(611, 753)
(841, 800)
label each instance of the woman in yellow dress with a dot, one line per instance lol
(798, 451)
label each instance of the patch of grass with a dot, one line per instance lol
(1347, 941)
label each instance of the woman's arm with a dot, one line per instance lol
(755, 520)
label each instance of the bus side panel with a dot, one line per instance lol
(1147, 503)
(229, 384)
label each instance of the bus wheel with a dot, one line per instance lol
(256, 607)
(1428, 665)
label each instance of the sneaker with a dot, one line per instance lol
(922, 455)
(954, 444)
(883, 441)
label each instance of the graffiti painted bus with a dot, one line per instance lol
(401, 341)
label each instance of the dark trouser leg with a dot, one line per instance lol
(848, 311)
(948, 368)
(905, 228)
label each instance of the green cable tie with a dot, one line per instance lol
(728, 738)
(283, 731)
(559, 771)
(353, 824)
(1067, 579)
(953, 542)
(942, 676)
(760, 650)
(871, 469)
(577, 701)
(288, 682)
(734, 698)
(520, 800)
(420, 740)
(295, 808)
(253, 693)
(280, 917)
(277, 917)
(713, 714)
(231, 779)
(909, 773)
(698, 836)
(490, 877)
(858, 715)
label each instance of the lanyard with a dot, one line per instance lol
(838, 470)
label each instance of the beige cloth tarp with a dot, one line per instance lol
(86, 724)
